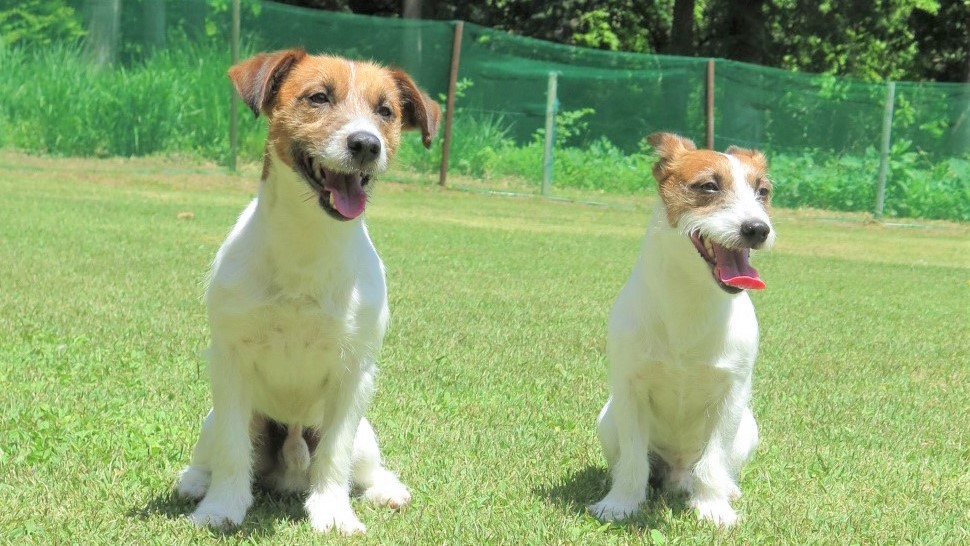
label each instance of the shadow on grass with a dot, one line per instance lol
(582, 488)
(267, 510)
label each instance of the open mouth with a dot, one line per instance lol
(729, 266)
(340, 194)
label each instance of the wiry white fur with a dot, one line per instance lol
(298, 308)
(681, 353)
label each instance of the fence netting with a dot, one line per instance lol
(504, 77)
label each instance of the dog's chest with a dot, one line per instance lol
(294, 355)
(680, 399)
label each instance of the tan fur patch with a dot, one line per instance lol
(281, 85)
(685, 175)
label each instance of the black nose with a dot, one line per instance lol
(755, 232)
(364, 147)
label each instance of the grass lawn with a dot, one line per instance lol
(492, 373)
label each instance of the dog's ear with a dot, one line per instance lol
(669, 147)
(258, 79)
(755, 156)
(418, 110)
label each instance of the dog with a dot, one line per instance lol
(296, 297)
(682, 335)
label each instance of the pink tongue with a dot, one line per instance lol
(348, 195)
(734, 270)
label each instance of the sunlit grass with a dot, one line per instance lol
(492, 373)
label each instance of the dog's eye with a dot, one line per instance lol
(319, 98)
(384, 111)
(707, 187)
(763, 192)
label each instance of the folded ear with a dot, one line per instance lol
(669, 147)
(258, 79)
(418, 110)
(755, 156)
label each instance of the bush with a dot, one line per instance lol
(30, 23)
(915, 187)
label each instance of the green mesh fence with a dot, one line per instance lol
(634, 94)
(504, 77)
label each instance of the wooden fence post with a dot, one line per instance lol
(450, 103)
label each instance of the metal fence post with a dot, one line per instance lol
(887, 128)
(450, 102)
(551, 102)
(709, 106)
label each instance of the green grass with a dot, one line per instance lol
(492, 373)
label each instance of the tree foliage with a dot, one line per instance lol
(37, 22)
(867, 39)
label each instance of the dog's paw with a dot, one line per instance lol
(332, 511)
(388, 491)
(221, 513)
(615, 508)
(717, 511)
(193, 483)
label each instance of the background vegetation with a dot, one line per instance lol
(175, 103)
(147, 99)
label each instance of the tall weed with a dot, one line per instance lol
(174, 102)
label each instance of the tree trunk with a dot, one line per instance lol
(742, 114)
(104, 26)
(153, 22)
(682, 29)
(411, 9)
(676, 83)
(746, 31)
(412, 43)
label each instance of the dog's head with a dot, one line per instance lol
(719, 201)
(335, 122)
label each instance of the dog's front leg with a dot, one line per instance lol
(631, 469)
(328, 505)
(713, 483)
(229, 449)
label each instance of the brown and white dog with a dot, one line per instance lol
(297, 299)
(682, 335)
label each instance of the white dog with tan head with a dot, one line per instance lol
(682, 335)
(297, 299)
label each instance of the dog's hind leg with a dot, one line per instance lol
(193, 481)
(745, 441)
(606, 430)
(379, 485)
